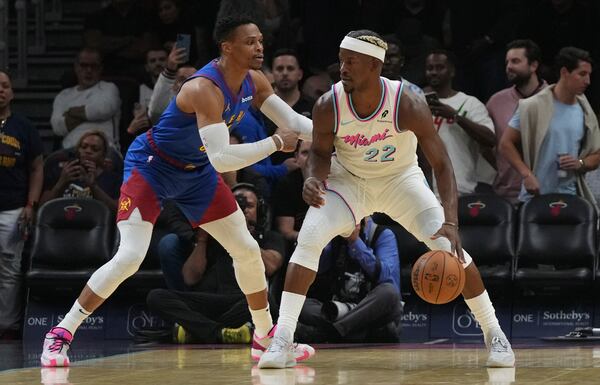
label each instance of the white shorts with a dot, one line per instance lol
(402, 196)
(348, 199)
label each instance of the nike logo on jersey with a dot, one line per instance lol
(346, 122)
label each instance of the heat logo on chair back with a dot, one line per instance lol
(556, 207)
(475, 207)
(71, 211)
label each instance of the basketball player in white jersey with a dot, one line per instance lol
(375, 124)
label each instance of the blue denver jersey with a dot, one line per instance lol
(176, 133)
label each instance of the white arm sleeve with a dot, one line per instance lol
(284, 116)
(229, 157)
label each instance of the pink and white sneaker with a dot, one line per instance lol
(57, 343)
(302, 352)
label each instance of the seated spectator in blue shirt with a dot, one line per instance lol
(356, 295)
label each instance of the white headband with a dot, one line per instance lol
(363, 47)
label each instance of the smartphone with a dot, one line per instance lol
(184, 41)
(432, 98)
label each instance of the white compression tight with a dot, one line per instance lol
(135, 240)
(319, 227)
(232, 233)
(427, 223)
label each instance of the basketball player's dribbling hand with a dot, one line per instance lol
(313, 192)
(451, 233)
(290, 139)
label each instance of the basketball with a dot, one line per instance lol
(438, 277)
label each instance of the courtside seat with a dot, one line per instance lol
(487, 232)
(72, 238)
(557, 242)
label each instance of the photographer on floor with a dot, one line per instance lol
(215, 310)
(356, 294)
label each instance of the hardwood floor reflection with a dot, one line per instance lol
(376, 365)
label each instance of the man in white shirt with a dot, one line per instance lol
(91, 104)
(462, 122)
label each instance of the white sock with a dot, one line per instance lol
(291, 305)
(74, 318)
(262, 321)
(484, 312)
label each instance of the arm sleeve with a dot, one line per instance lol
(229, 157)
(161, 96)
(284, 116)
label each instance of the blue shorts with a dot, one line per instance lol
(200, 193)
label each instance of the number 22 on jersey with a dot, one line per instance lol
(386, 153)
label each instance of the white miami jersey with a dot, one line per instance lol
(374, 146)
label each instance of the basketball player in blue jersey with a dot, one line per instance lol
(375, 125)
(180, 159)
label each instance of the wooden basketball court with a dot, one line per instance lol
(342, 364)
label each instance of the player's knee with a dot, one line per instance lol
(307, 255)
(427, 223)
(128, 259)
(249, 266)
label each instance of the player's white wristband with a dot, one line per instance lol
(281, 144)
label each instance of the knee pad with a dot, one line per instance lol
(248, 265)
(135, 239)
(307, 255)
(319, 227)
(232, 233)
(426, 224)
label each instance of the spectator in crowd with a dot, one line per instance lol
(287, 75)
(394, 62)
(356, 295)
(175, 18)
(461, 120)
(289, 208)
(557, 132)
(155, 63)
(522, 63)
(82, 172)
(121, 31)
(156, 59)
(21, 177)
(216, 310)
(316, 85)
(91, 104)
(168, 83)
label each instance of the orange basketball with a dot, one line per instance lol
(438, 277)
